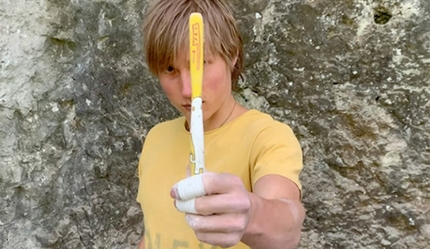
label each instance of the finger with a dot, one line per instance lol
(237, 202)
(189, 188)
(214, 204)
(187, 206)
(223, 240)
(215, 183)
(216, 223)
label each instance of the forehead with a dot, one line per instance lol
(183, 54)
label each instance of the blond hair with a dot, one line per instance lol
(165, 33)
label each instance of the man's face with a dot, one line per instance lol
(176, 83)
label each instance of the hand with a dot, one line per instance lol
(217, 207)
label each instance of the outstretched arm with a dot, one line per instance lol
(276, 214)
(222, 212)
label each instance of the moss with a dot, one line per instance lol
(62, 43)
(381, 15)
(60, 48)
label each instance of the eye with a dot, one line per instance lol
(170, 69)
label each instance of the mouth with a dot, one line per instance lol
(189, 106)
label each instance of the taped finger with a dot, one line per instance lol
(188, 206)
(191, 187)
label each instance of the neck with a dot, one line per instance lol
(229, 115)
(219, 118)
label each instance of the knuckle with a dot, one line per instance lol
(238, 224)
(244, 205)
(241, 202)
(236, 180)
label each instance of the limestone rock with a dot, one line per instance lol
(76, 102)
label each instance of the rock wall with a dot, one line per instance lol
(76, 101)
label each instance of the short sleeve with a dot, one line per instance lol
(276, 150)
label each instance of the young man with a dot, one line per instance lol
(250, 195)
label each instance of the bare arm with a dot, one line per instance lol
(224, 214)
(276, 214)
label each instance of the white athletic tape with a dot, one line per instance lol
(188, 206)
(191, 187)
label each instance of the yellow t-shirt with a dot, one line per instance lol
(251, 146)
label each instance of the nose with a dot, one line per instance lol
(186, 83)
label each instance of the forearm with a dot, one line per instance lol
(274, 224)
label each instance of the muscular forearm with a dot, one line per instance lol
(274, 224)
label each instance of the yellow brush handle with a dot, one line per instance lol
(197, 159)
(196, 53)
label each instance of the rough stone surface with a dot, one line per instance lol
(351, 77)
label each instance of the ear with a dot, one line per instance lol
(235, 58)
(234, 61)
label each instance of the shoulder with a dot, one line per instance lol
(257, 128)
(167, 128)
(258, 122)
(269, 132)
